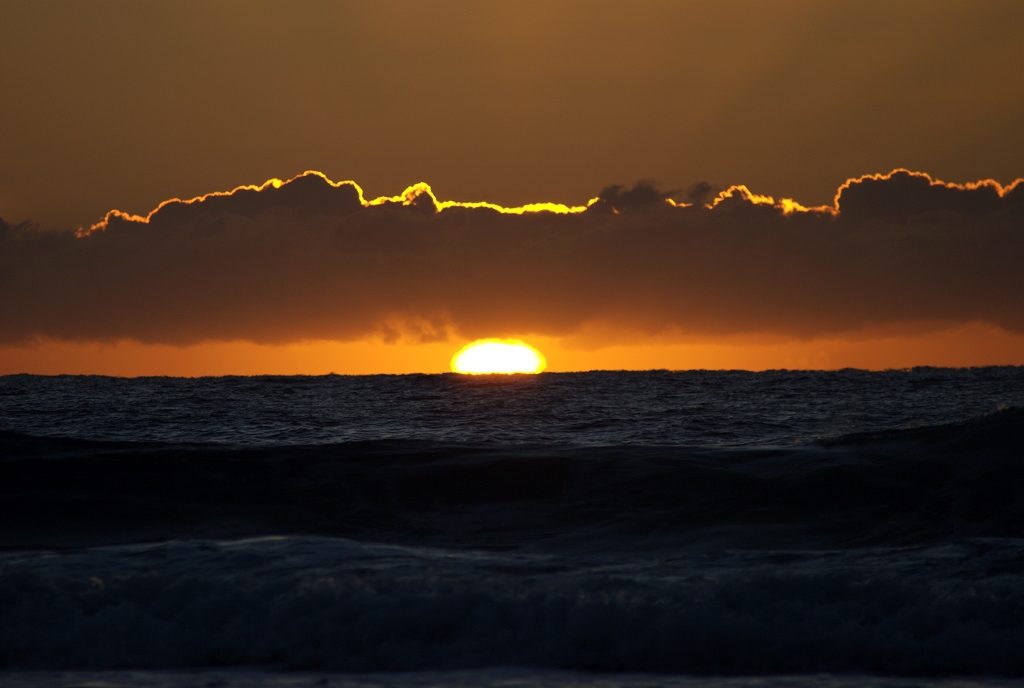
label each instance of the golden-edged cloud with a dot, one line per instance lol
(313, 259)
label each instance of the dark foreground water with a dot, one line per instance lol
(605, 529)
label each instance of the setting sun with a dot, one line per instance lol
(506, 356)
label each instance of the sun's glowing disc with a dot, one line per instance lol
(507, 356)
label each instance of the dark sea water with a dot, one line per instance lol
(639, 529)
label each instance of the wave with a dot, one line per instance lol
(896, 552)
(323, 603)
(895, 487)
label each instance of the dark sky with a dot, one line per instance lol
(124, 104)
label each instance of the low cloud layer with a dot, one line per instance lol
(311, 259)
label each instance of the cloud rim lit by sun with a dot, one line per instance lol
(498, 357)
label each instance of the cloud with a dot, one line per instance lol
(313, 259)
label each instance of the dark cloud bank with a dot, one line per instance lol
(310, 260)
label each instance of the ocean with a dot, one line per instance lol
(608, 529)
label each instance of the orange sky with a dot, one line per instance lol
(124, 105)
(969, 345)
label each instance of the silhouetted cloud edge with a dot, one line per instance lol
(309, 258)
(422, 194)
